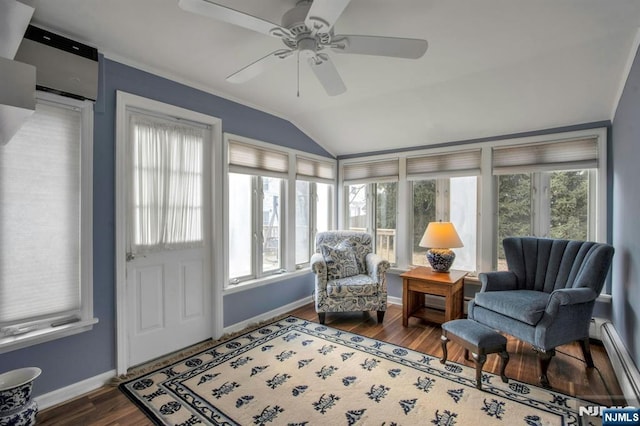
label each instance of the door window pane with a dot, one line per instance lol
(357, 207)
(167, 175)
(424, 211)
(271, 223)
(302, 221)
(463, 213)
(240, 228)
(569, 205)
(514, 210)
(386, 205)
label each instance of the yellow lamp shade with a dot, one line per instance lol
(440, 235)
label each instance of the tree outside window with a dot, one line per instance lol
(545, 204)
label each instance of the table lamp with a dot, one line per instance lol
(440, 238)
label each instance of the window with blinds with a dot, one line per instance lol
(257, 199)
(43, 267)
(314, 182)
(462, 163)
(316, 170)
(371, 171)
(445, 187)
(559, 155)
(546, 189)
(254, 159)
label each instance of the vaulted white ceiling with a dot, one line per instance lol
(493, 67)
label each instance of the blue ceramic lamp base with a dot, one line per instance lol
(440, 259)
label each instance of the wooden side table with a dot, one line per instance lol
(422, 280)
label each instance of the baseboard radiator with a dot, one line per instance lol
(625, 369)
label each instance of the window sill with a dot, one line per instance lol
(248, 285)
(12, 343)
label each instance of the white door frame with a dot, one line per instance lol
(123, 101)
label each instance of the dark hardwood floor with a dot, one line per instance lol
(567, 373)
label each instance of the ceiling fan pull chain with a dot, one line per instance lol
(298, 73)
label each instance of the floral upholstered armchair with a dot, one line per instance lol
(348, 276)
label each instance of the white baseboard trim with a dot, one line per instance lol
(74, 390)
(391, 300)
(267, 315)
(625, 369)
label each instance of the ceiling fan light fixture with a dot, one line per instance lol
(307, 47)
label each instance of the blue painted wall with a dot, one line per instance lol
(248, 304)
(75, 358)
(626, 213)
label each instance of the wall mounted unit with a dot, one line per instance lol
(63, 66)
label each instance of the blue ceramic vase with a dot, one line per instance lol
(16, 406)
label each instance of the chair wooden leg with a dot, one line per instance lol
(586, 351)
(544, 359)
(321, 317)
(444, 340)
(479, 360)
(505, 360)
(380, 316)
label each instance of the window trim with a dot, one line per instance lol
(85, 312)
(289, 268)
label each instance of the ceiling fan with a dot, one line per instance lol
(307, 29)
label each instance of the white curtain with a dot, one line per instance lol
(167, 196)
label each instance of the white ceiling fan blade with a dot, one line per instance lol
(328, 75)
(324, 13)
(254, 69)
(232, 16)
(411, 48)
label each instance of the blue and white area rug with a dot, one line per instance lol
(296, 372)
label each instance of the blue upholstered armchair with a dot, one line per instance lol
(348, 276)
(546, 297)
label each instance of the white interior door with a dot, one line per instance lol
(168, 269)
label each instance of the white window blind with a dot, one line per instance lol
(246, 158)
(559, 155)
(40, 216)
(462, 163)
(371, 171)
(167, 175)
(316, 170)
